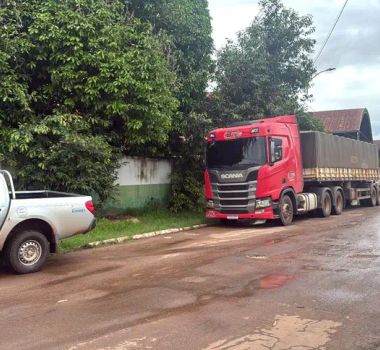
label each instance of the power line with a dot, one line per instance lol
(330, 33)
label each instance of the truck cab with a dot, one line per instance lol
(250, 166)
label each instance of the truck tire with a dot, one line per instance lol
(26, 252)
(286, 210)
(371, 202)
(325, 210)
(337, 209)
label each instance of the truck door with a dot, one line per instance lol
(279, 163)
(4, 200)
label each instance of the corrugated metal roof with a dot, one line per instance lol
(341, 120)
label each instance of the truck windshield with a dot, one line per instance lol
(236, 154)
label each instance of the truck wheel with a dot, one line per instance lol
(286, 210)
(371, 202)
(378, 197)
(26, 252)
(326, 209)
(339, 204)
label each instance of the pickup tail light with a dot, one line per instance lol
(90, 207)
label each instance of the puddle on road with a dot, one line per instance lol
(257, 257)
(273, 241)
(287, 332)
(194, 279)
(84, 295)
(322, 269)
(365, 256)
(159, 298)
(236, 235)
(274, 281)
(168, 256)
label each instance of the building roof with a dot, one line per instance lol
(347, 121)
(341, 120)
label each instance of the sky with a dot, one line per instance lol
(353, 49)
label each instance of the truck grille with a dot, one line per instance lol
(232, 188)
(234, 198)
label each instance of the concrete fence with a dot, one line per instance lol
(142, 182)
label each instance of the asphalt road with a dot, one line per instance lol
(314, 285)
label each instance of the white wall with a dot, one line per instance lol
(144, 171)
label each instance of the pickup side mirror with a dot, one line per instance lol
(275, 150)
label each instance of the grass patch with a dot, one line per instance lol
(148, 221)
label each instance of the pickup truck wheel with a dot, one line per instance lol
(286, 210)
(326, 209)
(339, 204)
(27, 252)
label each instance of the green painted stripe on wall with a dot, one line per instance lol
(140, 196)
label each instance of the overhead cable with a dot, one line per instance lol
(330, 33)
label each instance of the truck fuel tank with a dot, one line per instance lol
(306, 202)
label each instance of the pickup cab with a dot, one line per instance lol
(32, 223)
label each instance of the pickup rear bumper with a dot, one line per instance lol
(259, 214)
(92, 226)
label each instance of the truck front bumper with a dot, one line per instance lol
(259, 214)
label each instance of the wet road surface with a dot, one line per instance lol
(314, 285)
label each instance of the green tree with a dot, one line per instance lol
(187, 179)
(79, 74)
(186, 27)
(268, 70)
(60, 153)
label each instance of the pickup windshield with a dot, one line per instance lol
(236, 154)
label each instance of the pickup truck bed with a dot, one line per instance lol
(43, 194)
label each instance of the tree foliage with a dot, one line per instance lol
(59, 153)
(76, 77)
(186, 24)
(187, 179)
(268, 70)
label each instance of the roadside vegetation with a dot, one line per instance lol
(143, 222)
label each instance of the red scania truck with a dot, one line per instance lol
(266, 169)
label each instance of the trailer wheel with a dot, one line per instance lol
(337, 209)
(378, 197)
(326, 201)
(26, 252)
(286, 210)
(371, 202)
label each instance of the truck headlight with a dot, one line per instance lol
(263, 203)
(210, 205)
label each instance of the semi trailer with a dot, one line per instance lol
(267, 169)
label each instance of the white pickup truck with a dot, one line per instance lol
(32, 223)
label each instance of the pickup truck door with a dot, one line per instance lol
(4, 200)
